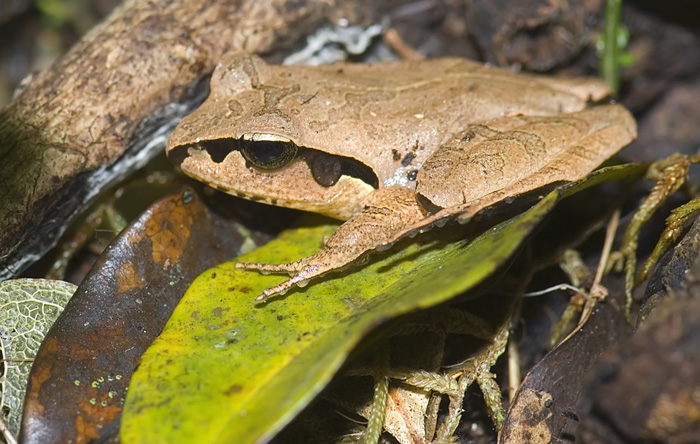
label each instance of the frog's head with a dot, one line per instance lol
(273, 169)
(245, 140)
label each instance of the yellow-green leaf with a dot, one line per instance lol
(226, 370)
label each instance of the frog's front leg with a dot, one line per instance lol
(385, 212)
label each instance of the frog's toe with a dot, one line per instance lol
(289, 268)
(300, 279)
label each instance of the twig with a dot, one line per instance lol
(598, 292)
(7, 433)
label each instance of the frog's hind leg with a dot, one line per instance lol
(515, 156)
(386, 211)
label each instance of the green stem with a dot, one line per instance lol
(609, 66)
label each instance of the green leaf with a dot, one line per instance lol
(227, 370)
(28, 308)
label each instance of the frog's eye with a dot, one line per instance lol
(267, 152)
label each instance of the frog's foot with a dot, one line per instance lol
(386, 212)
(298, 270)
(299, 279)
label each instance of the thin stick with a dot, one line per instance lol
(598, 291)
(393, 39)
(7, 433)
(513, 368)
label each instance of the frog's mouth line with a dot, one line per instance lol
(326, 168)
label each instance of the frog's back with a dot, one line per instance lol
(390, 116)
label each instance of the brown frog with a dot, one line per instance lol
(392, 148)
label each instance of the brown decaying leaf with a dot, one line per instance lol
(560, 376)
(79, 378)
(536, 34)
(647, 389)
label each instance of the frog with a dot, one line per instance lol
(393, 149)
